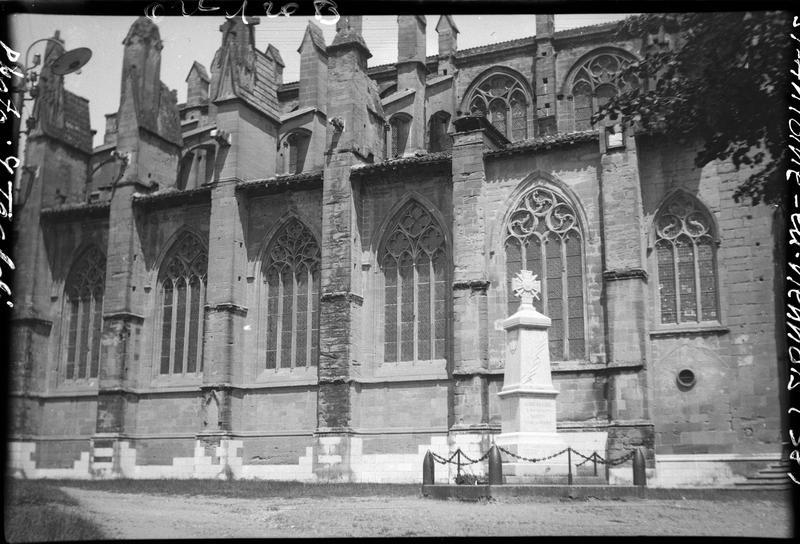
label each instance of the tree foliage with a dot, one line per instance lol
(721, 77)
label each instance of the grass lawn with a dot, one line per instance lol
(246, 489)
(37, 511)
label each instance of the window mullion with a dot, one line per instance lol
(509, 121)
(564, 298)
(697, 292)
(279, 322)
(398, 312)
(432, 308)
(414, 307)
(87, 348)
(309, 314)
(543, 271)
(187, 319)
(77, 367)
(676, 271)
(174, 319)
(201, 318)
(293, 349)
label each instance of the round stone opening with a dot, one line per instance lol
(686, 378)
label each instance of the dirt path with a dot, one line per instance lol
(135, 516)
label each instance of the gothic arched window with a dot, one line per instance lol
(504, 101)
(182, 281)
(413, 262)
(595, 82)
(291, 277)
(543, 235)
(686, 262)
(438, 138)
(83, 318)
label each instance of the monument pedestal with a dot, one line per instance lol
(528, 398)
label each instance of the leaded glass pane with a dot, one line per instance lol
(97, 331)
(166, 326)
(83, 345)
(314, 316)
(440, 302)
(666, 282)
(513, 266)
(390, 308)
(180, 324)
(423, 269)
(72, 338)
(519, 117)
(406, 308)
(499, 111)
(273, 288)
(194, 323)
(301, 325)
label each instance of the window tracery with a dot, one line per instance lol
(413, 262)
(686, 262)
(503, 100)
(543, 235)
(183, 292)
(595, 82)
(292, 280)
(83, 318)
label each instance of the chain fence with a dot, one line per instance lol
(461, 459)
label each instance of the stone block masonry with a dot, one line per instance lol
(345, 410)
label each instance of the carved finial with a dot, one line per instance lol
(526, 287)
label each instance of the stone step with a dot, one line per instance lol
(774, 487)
(781, 469)
(764, 482)
(770, 475)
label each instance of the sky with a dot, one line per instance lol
(187, 39)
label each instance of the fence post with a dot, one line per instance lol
(639, 474)
(458, 463)
(569, 466)
(495, 466)
(427, 469)
(594, 458)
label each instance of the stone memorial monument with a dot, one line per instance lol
(528, 398)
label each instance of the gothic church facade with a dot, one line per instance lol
(306, 280)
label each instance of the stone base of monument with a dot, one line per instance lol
(533, 445)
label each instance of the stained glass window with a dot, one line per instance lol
(291, 295)
(543, 236)
(183, 295)
(83, 316)
(686, 262)
(414, 268)
(502, 99)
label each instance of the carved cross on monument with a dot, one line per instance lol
(526, 287)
